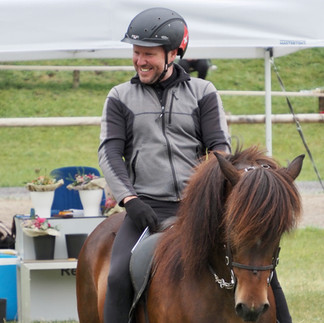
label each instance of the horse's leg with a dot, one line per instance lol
(92, 270)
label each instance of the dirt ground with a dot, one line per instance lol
(17, 201)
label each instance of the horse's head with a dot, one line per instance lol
(261, 204)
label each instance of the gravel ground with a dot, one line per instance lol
(16, 200)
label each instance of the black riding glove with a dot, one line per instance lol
(142, 214)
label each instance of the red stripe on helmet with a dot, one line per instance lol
(185, 38)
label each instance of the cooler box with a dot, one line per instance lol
(8, 283)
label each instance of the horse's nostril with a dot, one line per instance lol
(265, 307)
(250, 314)
(240, 308)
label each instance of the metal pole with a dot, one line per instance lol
(268, 112)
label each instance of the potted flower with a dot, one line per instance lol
(90, 188)
(35, 226)
(111, 206)
(42, 193)
(43, 234)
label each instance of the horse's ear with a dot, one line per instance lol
(229, 171)
(295, 166)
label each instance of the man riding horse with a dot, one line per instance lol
(154, 131)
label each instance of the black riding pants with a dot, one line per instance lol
(119, 295)
(283, 315)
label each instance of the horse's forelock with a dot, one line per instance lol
(262, 206)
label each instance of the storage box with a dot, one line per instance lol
(8, 284)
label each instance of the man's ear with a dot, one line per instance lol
(172, 55)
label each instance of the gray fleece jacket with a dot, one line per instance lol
(150, 143)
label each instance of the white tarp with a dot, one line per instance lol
(54, 29)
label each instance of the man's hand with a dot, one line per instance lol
(142, 214)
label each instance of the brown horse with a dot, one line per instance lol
(214, 264)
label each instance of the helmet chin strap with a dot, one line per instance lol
(166, 67)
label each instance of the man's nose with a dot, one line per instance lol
(141, 60)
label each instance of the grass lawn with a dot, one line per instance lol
(300, 274)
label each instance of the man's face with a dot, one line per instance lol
(149, 63)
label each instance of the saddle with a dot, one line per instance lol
(141, 261)
(140, 266)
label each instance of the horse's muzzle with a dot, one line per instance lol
(250, 314)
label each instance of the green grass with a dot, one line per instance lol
(300, 274)
(50, 93)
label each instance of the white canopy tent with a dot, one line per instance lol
(57, 29)
(46, 29)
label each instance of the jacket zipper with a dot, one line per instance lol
(171, 105)
(162, 115)
(162, 111)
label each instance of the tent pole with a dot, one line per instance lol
(268, 124)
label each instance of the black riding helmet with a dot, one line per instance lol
(158, 27)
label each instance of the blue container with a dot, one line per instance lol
(8, 285)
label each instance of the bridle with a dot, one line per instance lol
(231, 264)
(229, 258)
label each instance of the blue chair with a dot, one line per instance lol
(65, 199)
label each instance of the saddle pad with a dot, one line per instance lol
(140, 266)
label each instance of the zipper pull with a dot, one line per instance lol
(162, 112)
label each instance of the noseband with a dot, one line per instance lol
(254, 269)
(231, 264)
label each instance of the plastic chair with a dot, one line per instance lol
(65, 199)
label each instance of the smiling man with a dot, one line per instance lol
(154, 130)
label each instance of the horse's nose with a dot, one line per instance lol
(250, 314)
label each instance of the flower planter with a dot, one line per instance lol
(42, 202)
(44, 247)
(74, 243)
(90, 200)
